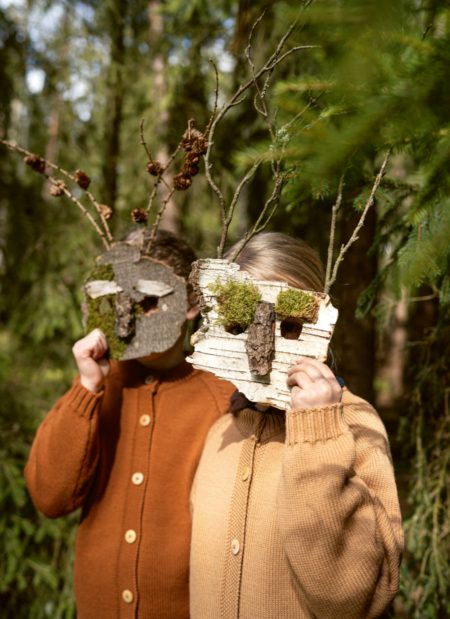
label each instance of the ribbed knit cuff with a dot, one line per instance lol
(316, 424)
(82, 400)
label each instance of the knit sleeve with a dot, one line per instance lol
(338, 510)
(64, 453)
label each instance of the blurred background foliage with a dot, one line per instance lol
(77, 78)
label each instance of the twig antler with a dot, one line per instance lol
(276, 136)
(332, 270)
(59, 188)
(194, 143)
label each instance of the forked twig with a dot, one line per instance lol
(62, 188)
(260, 104)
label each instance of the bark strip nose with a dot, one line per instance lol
(125, 319)
(260, 345)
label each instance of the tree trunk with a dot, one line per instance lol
(115, 14)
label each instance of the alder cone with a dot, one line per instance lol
(139, 215)
(189, 170)
(57, 190)
(181, 182)
(82, 179)
(36, 163)
(155, 168)
(105, 210)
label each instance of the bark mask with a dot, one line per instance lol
(254, 330)
(137, 301)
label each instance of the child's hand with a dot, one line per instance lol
(89, 356)
(313, 384)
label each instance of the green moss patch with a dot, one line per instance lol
(237, 303)
(101, 312)
(297, 304)
(101, 315)
(102, 272)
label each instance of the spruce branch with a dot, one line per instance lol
(332, 271)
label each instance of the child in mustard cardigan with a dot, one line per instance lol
(295, 514)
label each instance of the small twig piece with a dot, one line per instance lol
(334, 211)
(143, 142)
(63, 187)
(263, 218)
(354, 236)
(216, 99)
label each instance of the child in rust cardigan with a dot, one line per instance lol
(123, 445)
(295, 513)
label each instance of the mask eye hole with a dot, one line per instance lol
(149, 305)
(234, 329)
(291, 329)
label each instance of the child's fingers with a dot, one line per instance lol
(314, 368)
(300, 379)
(92, 345)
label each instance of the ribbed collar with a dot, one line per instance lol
(262, 425)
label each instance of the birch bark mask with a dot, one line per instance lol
(254, 330)
(138, 302)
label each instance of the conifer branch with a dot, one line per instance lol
(354, 237)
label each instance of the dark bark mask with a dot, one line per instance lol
(138, 302)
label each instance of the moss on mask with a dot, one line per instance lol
(297, 304)
(102, 315)
(237, 303)
(102, 272)
(101, 312)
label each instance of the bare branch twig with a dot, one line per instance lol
(354, 236)
(143, 142)
(105, 234)
(334, 211)
(216, 98)
(229, 215)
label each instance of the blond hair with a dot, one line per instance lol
(277, 256)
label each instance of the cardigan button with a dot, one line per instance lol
(130, 536)
(246, 473)
(127, 596)
(137, 478)
(144, 420)
(235, 546)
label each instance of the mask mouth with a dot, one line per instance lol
(291, 329)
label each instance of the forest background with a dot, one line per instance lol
(77, 78)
